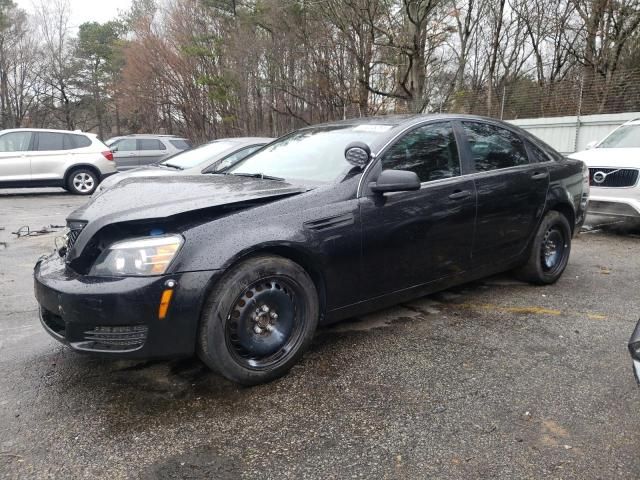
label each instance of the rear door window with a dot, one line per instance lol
(181, 144)
(125, 145)
(494, 147)
(150, 144)
(72, 141)
(15, 141)
(430, 151)
(536, 155)
(49, 141)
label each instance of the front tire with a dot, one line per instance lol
(258, 320)
(82, 181)
(549, 252)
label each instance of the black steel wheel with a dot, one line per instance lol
(549, 251)
(263, 325)
(258, 320)
(552, 249)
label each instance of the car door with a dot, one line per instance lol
(511, 192)
(15, 164)
(49, 156)
(150, 150)
(412, 238)
(125, 153)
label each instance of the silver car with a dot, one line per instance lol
(34, 157)
(212, 157)
(133, 151)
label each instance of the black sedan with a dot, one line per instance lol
(328, 222)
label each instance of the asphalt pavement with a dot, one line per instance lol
(494, 379)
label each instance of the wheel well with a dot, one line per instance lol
(301, 259)
(568, 213)
(73, 168)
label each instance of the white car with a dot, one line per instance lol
(33, 157)
(212, 157)
(614, 168)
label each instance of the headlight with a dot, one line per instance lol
(140, 256)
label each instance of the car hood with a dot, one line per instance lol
(159, 197)
(610, 157)
(109, 182)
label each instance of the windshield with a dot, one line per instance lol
(191, 158)
(627, 136)
(314, 154)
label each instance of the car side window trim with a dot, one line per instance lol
(530, 146)
(468, 151)
(464, 149)
(375, 165)
(431, 151)
(33, 144)
(30, 145)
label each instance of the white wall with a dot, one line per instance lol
(568, 135)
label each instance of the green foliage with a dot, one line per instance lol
(6, 6)
(204, 46)
(99, 43)
(220, 88)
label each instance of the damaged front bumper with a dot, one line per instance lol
(118, 316)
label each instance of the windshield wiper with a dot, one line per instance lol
(257, 175)
(171, 165)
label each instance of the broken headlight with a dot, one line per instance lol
(139, 256)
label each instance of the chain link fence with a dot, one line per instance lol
(586, 94)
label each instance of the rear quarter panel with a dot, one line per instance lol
(567, 188)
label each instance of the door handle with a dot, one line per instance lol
(539, 175)
(460, 195)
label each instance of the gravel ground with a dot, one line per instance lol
(495, 379)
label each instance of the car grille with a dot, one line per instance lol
(613, 177)
(53, 322)
(75, 229)
(128, 337)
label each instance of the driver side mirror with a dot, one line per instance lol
(358, 154)
(591, 145)
(395, 181)
(114, 148)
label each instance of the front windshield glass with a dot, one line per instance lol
(314, 154)
(191, 158)
(627, 136)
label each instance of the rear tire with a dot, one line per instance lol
(549, 252)
(258, 320)
(82, 181)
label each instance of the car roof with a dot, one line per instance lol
(398, 123)
(244, 140)
(409, 119)
(635, 121)
(151, 135)
(47, 130)
(144, 136)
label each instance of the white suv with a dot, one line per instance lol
(75, 161)
(614, 171)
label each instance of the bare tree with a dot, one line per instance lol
(60, 66)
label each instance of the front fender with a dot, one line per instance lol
(217, 245)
